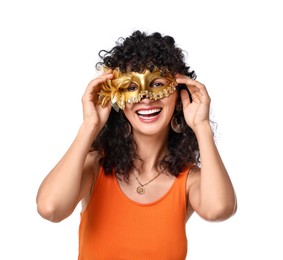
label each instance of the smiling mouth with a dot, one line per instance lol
(148, 113)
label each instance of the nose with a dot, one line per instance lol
(146, 100)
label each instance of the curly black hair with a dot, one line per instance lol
(140, 51)
(115, 142)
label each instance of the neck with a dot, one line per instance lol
(150, 149)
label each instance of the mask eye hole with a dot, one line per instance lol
(132, 87)
(158, 83)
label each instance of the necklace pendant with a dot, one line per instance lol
(140, 190)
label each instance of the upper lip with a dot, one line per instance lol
(147, 111)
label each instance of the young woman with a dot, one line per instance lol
(144, 158)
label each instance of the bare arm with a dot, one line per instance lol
(59, 192)
(211, 193)
(70, 179)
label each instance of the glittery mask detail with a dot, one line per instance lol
(132, 87)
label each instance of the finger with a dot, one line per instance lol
(189, 82)
(93, 85)
(105, 107)
(197, 97)
(185, 97)
(194, 86)
(100, 79)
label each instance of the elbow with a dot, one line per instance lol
(49, 212)
(220, 212)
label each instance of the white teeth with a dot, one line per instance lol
(148, 112)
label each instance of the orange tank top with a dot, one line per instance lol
(115, 227)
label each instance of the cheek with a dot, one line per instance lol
(173, 97)
(128, 110)
(170, 102)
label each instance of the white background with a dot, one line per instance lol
(48, 50)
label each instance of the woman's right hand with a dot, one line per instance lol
(93, 113)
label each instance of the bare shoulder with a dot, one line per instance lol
(91, 167)
(90, 172)
(193, 177)
(91, 163)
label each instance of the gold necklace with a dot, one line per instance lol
(141, 189)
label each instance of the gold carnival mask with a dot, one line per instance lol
(132, 87)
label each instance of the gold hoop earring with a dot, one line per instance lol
(176, 127)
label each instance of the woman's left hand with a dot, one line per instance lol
(196, 112)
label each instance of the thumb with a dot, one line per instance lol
(185, 97)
